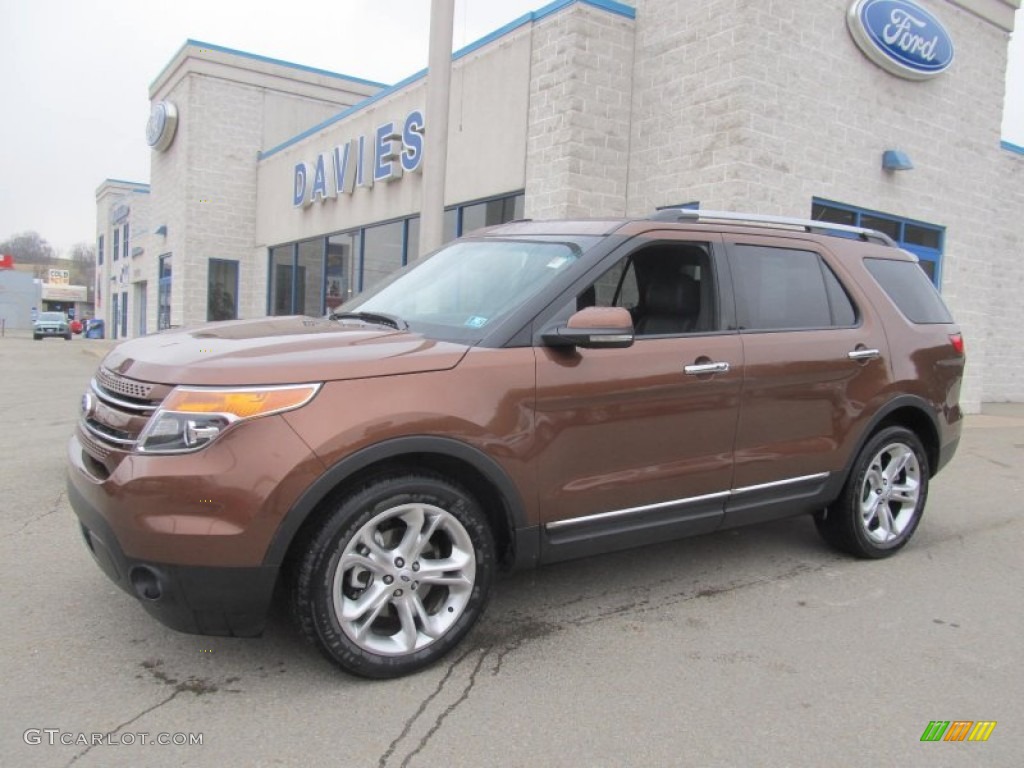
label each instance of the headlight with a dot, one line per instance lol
(191, 418)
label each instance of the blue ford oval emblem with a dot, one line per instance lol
(901, 37)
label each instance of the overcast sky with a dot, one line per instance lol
(74, 79)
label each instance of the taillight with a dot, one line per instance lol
(957, 340)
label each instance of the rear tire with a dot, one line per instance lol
(395, 577)
(882, 502)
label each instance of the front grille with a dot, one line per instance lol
(116, 411)
(120, 385)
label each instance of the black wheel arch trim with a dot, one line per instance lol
(526, 550)
(883, 413)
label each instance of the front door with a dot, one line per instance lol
(636, 444)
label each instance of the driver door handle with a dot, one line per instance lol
(863, 354)
(702, 369)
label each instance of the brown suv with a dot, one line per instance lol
(535, 392)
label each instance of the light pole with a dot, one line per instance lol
(435, 160)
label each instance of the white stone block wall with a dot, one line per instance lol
(169, 173)
(763, 106)
(1003, 379)
(578, 134)
(221, 190)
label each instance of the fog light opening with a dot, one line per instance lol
(146, 583)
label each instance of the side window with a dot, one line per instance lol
(667, 288)
(615, 288)
(910, 290)
(788, 289)
(844, 314)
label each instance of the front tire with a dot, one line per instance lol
(882, 502)
(398, 573)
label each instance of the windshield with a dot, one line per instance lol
(464, 289)
(52, 317)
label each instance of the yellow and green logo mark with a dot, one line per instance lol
(958, 730)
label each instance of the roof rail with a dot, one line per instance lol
(808, 225)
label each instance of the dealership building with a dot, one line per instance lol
(277, 188)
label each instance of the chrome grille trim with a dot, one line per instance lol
(109, 399)
(123, 386)
(121, 442)
(92, 446)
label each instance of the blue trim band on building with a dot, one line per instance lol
(190, 43)
(611, 6)
(1009, 147)
(138, 186)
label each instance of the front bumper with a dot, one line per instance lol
(202, 600)
(187, 535)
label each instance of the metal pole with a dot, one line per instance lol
(435, 159)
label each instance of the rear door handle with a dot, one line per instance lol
(701, 369)
(864, 354)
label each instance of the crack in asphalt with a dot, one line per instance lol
(448, 710)
(55, 507)
(409, 723)
(126, 723)
(195, 685)
(492, 642)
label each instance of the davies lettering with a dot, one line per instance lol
(391, 150)
(901, 37)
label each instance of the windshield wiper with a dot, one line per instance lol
(377, 318)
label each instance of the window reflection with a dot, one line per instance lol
(382, 252)
(309, 278)
(281, 280)
(317, 276)
(342, 256)
(222, 290)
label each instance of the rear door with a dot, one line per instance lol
(815, 367)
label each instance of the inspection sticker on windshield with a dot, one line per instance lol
(476, 321)
(558, 262)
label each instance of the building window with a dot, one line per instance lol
(282, 279)
(923, 240)
(491, 212)
(116, 250)
(317, 276)
(342, 256)
(309, 278)
(222, 290)
(99, 250)
(163, 304)
(383, 252)
(125, 245)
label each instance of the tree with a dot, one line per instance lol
(83, 264)
(28, 248)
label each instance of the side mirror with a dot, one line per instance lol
(594, 328)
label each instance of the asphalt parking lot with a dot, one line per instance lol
(757, 647)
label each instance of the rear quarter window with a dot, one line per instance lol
(910, 290)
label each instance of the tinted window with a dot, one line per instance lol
(843, 312)
(909, 288)
(780, 288)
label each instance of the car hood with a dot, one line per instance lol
(279, 350)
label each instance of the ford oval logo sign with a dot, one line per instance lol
(901, 37)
